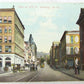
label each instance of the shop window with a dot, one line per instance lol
(9, 29)
(0, 58)
(9, 39)
(0, 30)
(0, 19)
(5, 39)
(9, 19)
(0, 63)
(0, 39)
(8, 64)
(0, 48)
(5, 19)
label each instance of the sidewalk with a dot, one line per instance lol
(5, 73)
(71, 73)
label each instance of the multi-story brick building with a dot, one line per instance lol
(53, 53)
(70, 45)
(80, 22)
(57, 56)
(11, 38)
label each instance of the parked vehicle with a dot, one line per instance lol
(42, 65)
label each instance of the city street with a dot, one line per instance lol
(43, 74)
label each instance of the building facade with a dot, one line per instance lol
(70, 46)
(26, 53)
(53, 53)
(32, 50)
(80, 22)
(57, 56)
(11, 39)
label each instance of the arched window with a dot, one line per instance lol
(8, 62)
(8, 58)
(0, 62)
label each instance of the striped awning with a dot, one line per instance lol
(9, 27)
(0, 17)
(0, 27)
(9, 38)
(5, 27)
(0, 37)
(9, 18)
(5, 18)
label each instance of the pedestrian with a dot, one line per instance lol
(36, 67)
(76, 66)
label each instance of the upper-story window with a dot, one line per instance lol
(9, 19)
(0, 19)
(0, 39)
(9, 29)
(71, 39)
(9, 39)
(7, 48)
(5, 39)
(71, 50)
(0, 48)
(5, 19)
(0, 29)
(5, 30)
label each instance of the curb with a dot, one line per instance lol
(69, 74)
(72, 75)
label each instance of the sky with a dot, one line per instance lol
(46, 21)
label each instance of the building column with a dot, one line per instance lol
(3, 63)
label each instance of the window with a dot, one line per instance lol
(9, 39)
(0, 30)
(8, 61)
(0, 19)
(9, 29)
(71, 50)
(9, 19)
(7, 48)
(0, 39)
(71, 39)
(5, 39)
(5, 30)
(8, 64)
(0, 63)
(8, 58)
(5, 19)
(0, 48)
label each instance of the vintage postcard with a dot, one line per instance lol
(41, 41)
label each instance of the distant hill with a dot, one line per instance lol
(41, 54)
